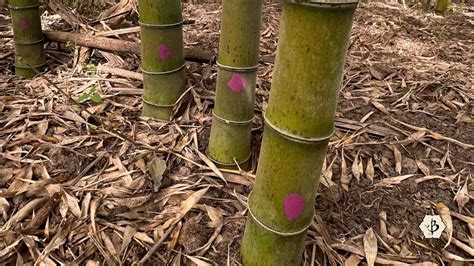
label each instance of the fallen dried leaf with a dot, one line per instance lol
(370, 247)
(445, 214)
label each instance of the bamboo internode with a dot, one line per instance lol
(162, 56)
(229, 143)
(28, 37)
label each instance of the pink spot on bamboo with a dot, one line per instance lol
(164, 52)
(24, 24)
(293, 205)
(237, 83)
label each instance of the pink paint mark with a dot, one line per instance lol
(24, 24)
(294, 206)
(164, 52)
(237, 83)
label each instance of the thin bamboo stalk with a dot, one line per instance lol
(28, 37)
(162, 56)
(299, 121)
(236, 78)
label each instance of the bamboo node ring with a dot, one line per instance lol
(323, 2)
(268, 228)
(164, 72)
(161, 26)
(29, 42)
(228, 164)
(294, 137)
(29, 67)
(231, 122)
(23, 7)
(237, 69)
(167, 105)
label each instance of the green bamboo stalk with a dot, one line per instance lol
(28, 37)
(299, 121)
(229, 140)
(442, 6)
(162, 56)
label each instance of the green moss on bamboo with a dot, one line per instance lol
(308, 72)
(28, 37)
(238, 48)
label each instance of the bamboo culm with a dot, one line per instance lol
(164, 77)
(230, 137)
(299, 120)
(28, 37)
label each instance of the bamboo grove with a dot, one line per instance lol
(299, 119)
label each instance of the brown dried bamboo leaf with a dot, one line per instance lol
(369, 170)
(127, 179)
(345, 178)
(462, 196)
(74, 117)
(380, 107)
(92, 263)
(398, 159)
(215, 215)
(383, 225)
(453, 257)
(157, 168)
(9, 249)
(57, 241)
(423, 168)
(4, 207)
(197, 261)
(355, 168)
(23, 213)
(94, 206)
(418, 135)
(460, 245)
(353, 260)
(471, 237)
(390, 181)
(86, 201)
(110, 248)
(20, 180)
(72, 204)
(6, 174)
(143, 237)
(211, 165)
(185, 206)
(174, 237)
(445, 214)
(370, 247)
(127, 238)
(443, 160)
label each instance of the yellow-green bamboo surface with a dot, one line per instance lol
(442, 6)
(229, 141)
(300, 119)
(162, 56)
(28, 37)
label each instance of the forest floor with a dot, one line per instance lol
(75, 192)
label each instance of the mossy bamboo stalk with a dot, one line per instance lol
(442, 5)
(28, 37)
(162, 56)
(299, 121)
(229, 141)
